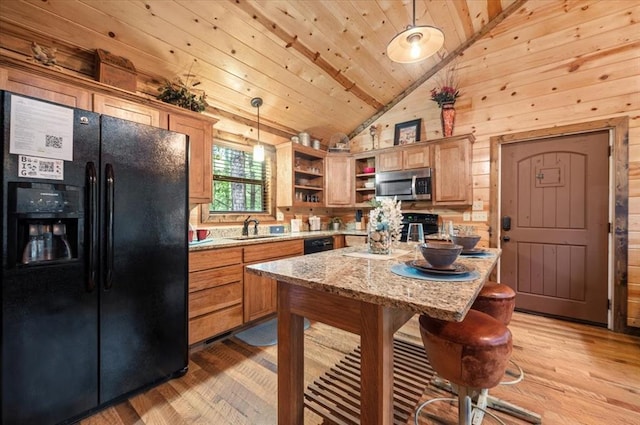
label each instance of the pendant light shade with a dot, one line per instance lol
(258, 153)
(258, 149)
(415, 43)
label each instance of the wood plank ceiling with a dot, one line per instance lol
(319, 66)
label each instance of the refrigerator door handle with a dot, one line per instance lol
(92, 220)
(110, 181)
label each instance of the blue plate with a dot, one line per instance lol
(402, 269)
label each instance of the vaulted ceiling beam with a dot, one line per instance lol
(442, 64)
(292, 42)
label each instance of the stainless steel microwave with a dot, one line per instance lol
(408, 185)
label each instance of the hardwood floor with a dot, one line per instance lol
(575, 374)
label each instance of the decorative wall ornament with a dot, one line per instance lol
(44, 55)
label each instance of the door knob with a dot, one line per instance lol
(506, 238)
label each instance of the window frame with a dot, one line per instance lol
(233, 218)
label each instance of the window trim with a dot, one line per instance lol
(236, 218)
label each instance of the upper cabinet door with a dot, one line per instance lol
(339, 180)
(20, 82)
(200, 142)
(389, 161)
(416, 157)
(452, 173)
(130, 111)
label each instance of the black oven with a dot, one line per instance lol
(429, 223)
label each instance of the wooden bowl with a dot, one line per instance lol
(440, 255)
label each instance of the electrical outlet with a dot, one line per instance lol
(466, 216)
(478, 205)
(279, 216)
(479, 216)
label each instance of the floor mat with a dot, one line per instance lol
(264, 334)
(335, 395)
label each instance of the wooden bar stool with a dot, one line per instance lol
(473, 354)
(499, 301)
(496, 300)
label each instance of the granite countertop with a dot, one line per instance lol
(371, 280)
(229, 242)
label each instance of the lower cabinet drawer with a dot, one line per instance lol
(209, 325)
(208, 300)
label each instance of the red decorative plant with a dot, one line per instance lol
(447, 92)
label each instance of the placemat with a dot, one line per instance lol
(479, 254)
(365, 254)
(406, 271)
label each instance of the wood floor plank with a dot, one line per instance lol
(574, 375)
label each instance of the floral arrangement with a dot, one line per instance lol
(385, 217)
(448, 91)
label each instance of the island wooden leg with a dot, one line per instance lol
(376, 368)
(290, 361)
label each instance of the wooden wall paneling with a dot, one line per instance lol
(526, 77)
(551, 46)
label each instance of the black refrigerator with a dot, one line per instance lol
(94, 260)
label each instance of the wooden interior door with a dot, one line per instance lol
(555, 195)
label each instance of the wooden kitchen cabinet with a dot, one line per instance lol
(300, 176)
(260, 293)
(452, 178)
(200, 142)
(215, 292)
(28, 84)
(94, 97)
(404, 158)
(127, 110)
(415, 156)
(390, 160)
(365, 179)
(339, 180)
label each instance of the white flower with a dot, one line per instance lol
(387, 215)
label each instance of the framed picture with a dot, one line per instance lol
(407, 132)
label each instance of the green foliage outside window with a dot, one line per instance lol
(239, 182)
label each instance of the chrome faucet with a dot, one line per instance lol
(245, 226)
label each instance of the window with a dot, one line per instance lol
(240, 184)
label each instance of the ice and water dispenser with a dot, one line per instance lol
(45, 223)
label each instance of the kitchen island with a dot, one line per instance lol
(362, 296)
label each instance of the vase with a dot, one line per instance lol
(379, 240)
(447, 117)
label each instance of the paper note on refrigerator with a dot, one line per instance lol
(41, 129)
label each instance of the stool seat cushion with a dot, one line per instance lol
(473, 353)
(496, 300)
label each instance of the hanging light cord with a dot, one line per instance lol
(414, 13)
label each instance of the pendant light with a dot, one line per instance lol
(258, 149)
(415, 43)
